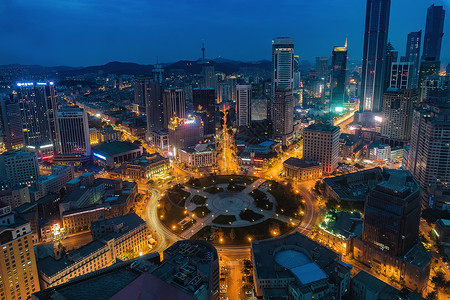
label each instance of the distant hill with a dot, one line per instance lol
(221, 64)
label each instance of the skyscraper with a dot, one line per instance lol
(154, 106)
(37, 102)
(322, 67)
(338, 72)
(140, 90)
(209, 78)
(391, 57)
(283, 115)
(413, 55)
(158, 72)
(174, 104)
(73, 132)
(243, 105)
(398, 105)
(18, 272)
(11, 122)
(282, 67)
(434, 30)
(204, 103)
(429, 154)
(392, 213)
(281, 108)
(374, 53)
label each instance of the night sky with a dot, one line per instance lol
(92, 32)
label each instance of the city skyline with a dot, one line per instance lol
(117, 34)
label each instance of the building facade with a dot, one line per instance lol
(18, 168)
(11, 122)
(283, 116)
(174, 104)
(434, 30)
(300, 170)
(243, 105)
(185, 133)
(397, 114)
(18, 272)
(338, 72)
(374, 52)
(321, 144)
(204, 102)
(73, 132)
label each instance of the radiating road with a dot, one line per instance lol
(163, 236)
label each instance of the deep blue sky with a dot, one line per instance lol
(89, 32)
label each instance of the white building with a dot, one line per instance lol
(200, 156)
(73, 131)
(321, 144)
(243, 105)
(53, 183)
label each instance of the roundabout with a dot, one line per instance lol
(231, 210)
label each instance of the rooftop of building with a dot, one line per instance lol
(115, 147)
(147, 160)
(51, 266)
(343, 224)
(355, 186)
(123, 224)
(315, 258)
(77, 179)
(399, 181)
(417, 256)
(321, 127)
(199, 148)
(443, 222)
(300, 163)
(101, 284)
(382, 289)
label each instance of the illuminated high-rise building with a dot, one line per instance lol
(18, 271)
(282, 67)
(174, 104)
(184, 132)
(154, 106)
(18, 168)
(374, 54)
(322, 67)
(204, 104)
(321, 144)
(158, 72)
(37, 102)
(391, 58)
(400, 77)
(11, 123)
(209, 78)
(243, 105)
(434, 31)
(338, 71)
(392, 213)
(73, 132)
(398, 105)
(413, 55)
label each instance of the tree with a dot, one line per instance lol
(438, 280)
(432, 295)
(247, 287)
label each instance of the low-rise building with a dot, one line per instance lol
(15, 197)
(443, 231)
(353, 186)
(367, 287)
(106, 198)
(338, 230)
(159, 139)
(127, 233)
(112, 154)
(144, 167)
(53, 183)
(300, 170)
(295, 267)
(200, 156)
(377, 151)
(189, 271)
